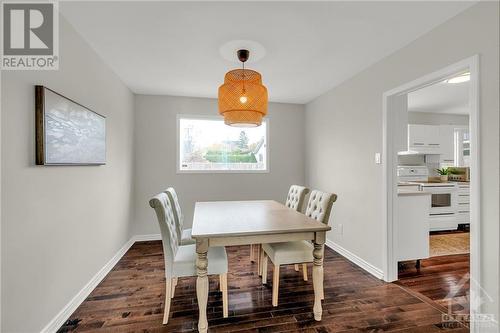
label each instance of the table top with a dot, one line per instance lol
(245, 218)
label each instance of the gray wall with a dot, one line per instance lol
(344, 130)
(60, 225)
(430, 118)
(155, 169)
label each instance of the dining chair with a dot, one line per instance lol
(294, 200)
(295, 197)
(180, 260)
(318, 207)
(184, 235)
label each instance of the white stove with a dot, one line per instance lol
(408, 173)
(444, 196)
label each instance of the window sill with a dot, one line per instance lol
(221, 171)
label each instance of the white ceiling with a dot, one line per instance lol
(441, 97)
(173, 47)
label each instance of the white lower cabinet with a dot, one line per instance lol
(413, 226)
(463, 211)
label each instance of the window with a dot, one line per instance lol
(206, 144)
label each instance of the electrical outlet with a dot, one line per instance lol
(378, 158)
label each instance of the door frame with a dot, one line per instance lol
(389, 184)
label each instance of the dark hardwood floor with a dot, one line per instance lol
(442, 279)
(131, 299)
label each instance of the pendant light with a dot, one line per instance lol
(242, 97)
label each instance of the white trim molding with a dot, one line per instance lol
(75, 302)
(0, 203)
(145, 238)
(363, 264)
(389, 183)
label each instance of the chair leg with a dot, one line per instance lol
(304, 269)
(276, 284)
(296, 266)
(223, 278)
(174, 284)
(168, 297)
(252, 253)
(264, 269)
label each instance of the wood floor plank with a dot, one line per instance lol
(443, 279)
(131, 299)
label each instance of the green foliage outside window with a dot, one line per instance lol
(233, 157)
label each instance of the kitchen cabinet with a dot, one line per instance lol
(413, 225)
(424, 139)
(447, 145)
(463, 214)
(450, 142)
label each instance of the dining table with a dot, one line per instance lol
(229, 223)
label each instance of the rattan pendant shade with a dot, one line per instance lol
(243, 98)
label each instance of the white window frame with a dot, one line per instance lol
(389, 183)
(219, 118)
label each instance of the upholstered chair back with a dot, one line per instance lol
(179, 218)
(164, 212)
(295, 197)
(320, 205)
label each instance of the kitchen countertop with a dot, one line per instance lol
(416, 182)
(401, 184)
(427, 184)
(403, 192)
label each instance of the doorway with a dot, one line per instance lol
(396, 140)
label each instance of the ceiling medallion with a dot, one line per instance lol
(242, 97)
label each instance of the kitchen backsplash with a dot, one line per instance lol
(411, 159)
(432, 162)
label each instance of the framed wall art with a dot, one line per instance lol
(67, 133)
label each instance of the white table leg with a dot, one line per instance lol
(202, 284)
(318, 280)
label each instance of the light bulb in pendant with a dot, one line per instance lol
(243, 99)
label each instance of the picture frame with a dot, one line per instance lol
(66, 132)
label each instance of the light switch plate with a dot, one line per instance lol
(378, 158)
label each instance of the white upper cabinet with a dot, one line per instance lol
(447, 144)
(424, 139)
(450, 142)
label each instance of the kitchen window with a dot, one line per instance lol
(206, 144)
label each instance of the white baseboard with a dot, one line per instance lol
(377, 272)
(72, 305)
(144, 238)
